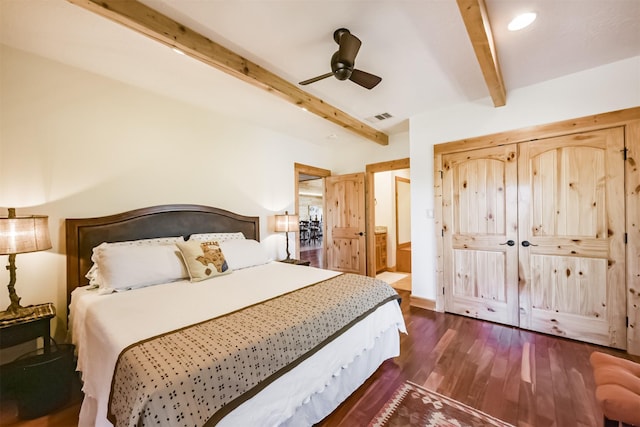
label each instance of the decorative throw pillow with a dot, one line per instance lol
(204, 260)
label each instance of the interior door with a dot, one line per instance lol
(345, 223)
(480, 233)
(572, 229)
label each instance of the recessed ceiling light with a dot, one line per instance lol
(521, 21)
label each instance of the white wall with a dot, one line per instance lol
(75, 144)
(608, 88)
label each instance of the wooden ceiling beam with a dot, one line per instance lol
(163, 29)
(475, 17)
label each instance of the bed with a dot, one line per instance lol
(254, 342)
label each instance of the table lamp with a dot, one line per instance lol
(20, 235)
(286, 223)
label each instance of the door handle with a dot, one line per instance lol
(508, 242)
(526, 244)
(360, 234)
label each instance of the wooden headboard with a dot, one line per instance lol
(83, 234)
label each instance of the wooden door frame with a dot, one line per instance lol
(370, 205)
(299, 168)
(628, 118)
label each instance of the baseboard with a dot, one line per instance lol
(425, 303)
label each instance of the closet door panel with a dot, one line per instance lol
(571, 212)
(480, 268)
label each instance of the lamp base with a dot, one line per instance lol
(16, 312)
(286, 236)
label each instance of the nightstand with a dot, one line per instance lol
(39, 381)
(296, 261)
(16, 331)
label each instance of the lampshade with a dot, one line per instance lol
(24, 234)
(286, 223)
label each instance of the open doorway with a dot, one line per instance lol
(309, 205)
(392, 207)
(310, 211)
(389, 222)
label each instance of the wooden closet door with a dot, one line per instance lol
(571, 206)
(480, 234)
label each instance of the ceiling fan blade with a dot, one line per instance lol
(365, 79)
(349, 47)
(315, 79)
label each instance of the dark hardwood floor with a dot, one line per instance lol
(521, 377)
(312, 251)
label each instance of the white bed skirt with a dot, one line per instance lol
(343, 385)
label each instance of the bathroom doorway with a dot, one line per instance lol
(389, 220)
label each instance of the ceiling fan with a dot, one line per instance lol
(343, 62)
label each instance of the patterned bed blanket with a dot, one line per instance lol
(196, 375)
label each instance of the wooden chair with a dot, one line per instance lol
(304, 231)
(314, 230)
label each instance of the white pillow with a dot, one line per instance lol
(217, 237)
(94, 274)
(243, 253)
(124, 267)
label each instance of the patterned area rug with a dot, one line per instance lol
(412, 405)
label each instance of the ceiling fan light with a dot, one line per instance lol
(521, 21)
(343, 73)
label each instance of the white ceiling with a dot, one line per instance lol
(419, 47)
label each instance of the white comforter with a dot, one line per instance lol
(103, 325)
